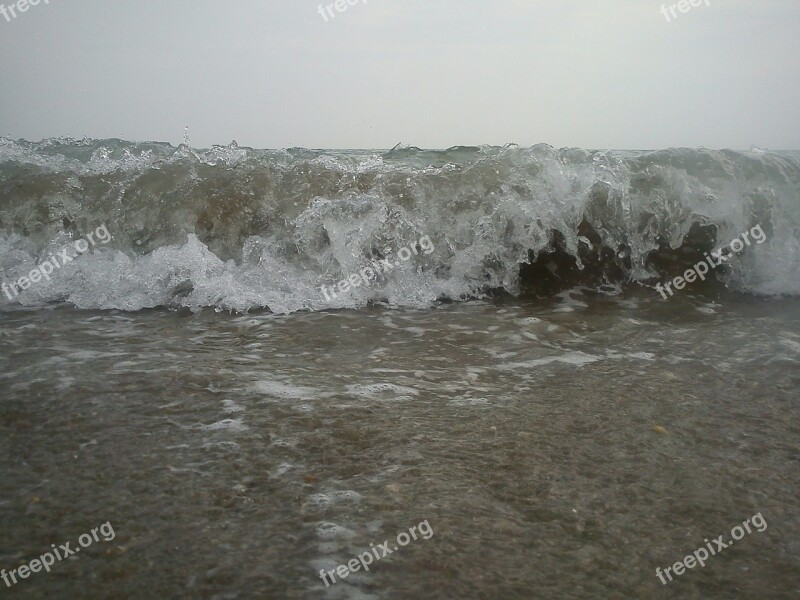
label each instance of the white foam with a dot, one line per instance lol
(234, 425)
(332, 531)
(277, 389)
(577, 359)
(382, 391)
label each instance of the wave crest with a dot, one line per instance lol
(238, 228)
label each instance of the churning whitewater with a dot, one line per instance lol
(239, 229)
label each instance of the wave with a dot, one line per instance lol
(239, 228)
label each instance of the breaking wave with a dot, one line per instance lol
(238, 228)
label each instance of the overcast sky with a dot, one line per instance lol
(429, 73)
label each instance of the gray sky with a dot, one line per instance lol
(429, 73)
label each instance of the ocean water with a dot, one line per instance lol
(515, 379)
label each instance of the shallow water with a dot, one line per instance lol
(558, 449)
